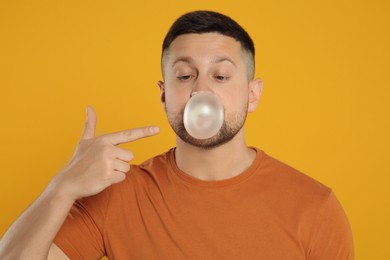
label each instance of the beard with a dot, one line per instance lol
(232, 124)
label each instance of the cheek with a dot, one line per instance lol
(175, 101)
(235, 101)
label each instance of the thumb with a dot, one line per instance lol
(90, 124)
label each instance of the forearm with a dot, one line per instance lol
(96, 164)
(32, 234)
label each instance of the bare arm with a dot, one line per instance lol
(33, 232)
(55, 253)
(96, 164)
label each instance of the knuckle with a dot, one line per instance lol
(146, 131)
(98, 142)
(106, 166)
(103, 139)
(129, 156)
(107, 174)
(121, 176)
(128, 133)
(107, 151)
(135, 133)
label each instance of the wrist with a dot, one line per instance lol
(58, 192)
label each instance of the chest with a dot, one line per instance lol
(203, 224)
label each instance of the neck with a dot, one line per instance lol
(219, 163)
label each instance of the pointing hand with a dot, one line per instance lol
(98, 162)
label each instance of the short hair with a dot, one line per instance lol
(209, 21)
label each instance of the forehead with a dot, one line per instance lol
(203, 46)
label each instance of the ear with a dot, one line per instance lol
(162, 93)
(255, 90)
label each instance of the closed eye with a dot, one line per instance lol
(184, 77)
(221, 78)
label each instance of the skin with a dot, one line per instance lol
(98, 161)
(216, 63)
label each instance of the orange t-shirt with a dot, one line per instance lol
(271, 211)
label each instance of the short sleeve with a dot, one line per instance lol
(81, 235)
(332, 235)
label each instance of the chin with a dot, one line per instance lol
(224, 135)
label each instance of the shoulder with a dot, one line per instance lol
(156, 166)
(292, 184)
(323, 225)
(142, 180)
(150, 172)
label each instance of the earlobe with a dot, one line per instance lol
(162, 93)
(255, 90)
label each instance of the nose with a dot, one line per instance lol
(201, 84)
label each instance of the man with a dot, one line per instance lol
(213, 198)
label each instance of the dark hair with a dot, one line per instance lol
(209, 21)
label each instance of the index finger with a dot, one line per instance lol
(131, 134)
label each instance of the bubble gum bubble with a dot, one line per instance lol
(203, 115)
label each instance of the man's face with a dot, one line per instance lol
(206, 62)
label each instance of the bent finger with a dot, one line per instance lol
(123, 154)
(121, 166)
(117, 176)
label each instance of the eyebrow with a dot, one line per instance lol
(217, 59)
(220, 59)
(182, 59)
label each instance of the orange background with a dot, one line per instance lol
(324, 110)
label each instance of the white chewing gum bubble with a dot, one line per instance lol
(203, 115)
